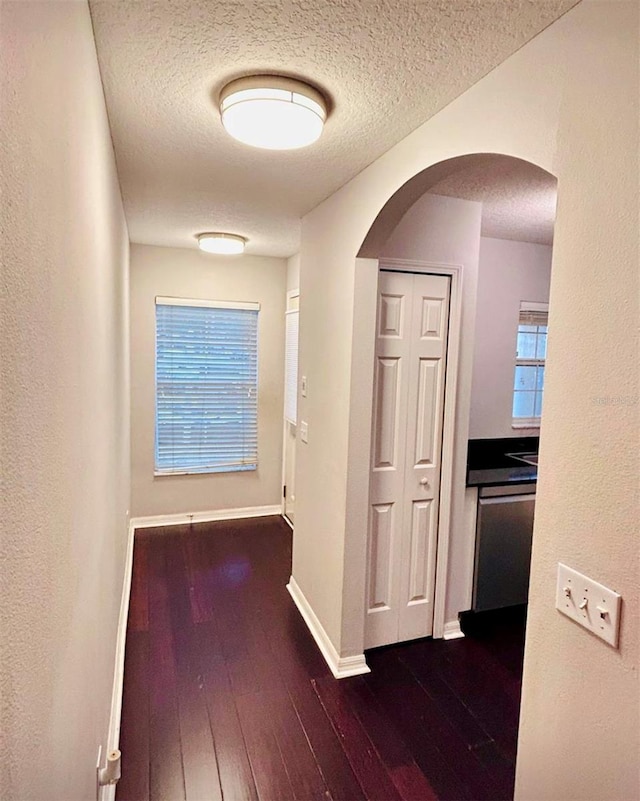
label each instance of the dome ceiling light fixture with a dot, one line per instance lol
(222, 244)
(272, 112)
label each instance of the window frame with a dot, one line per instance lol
(210, 304)
(529, 307)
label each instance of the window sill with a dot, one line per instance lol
(525, 425)
(208, 472)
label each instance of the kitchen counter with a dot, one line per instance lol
(499, 504)
(489, 466)
(494, 477)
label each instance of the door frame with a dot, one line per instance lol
(291, 294)
(455, 272)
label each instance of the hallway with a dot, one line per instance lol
(227, 696)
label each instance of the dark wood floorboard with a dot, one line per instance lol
(406, 775)
(227, 698)
(199, 762)
(166, 777)
(134, 735)
(236, 778)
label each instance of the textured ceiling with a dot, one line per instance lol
(385, 65)
(518, 198)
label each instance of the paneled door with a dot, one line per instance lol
(408, 408)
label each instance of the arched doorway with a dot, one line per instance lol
(433, 225)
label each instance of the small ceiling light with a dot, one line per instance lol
(272, 112)
(222, 244)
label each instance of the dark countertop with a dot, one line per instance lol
(489, 466)
(502, 475)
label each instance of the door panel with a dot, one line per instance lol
(428, 375)
(416, 609)
(412, 329)
(387, 382)
(390, 317)
(419, 561)
(381, 532)
(434, 315)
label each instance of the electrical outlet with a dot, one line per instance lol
(588, 603)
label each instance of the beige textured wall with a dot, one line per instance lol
(580, 730)
(64, 398)
(192, 274)
(567, 102)
(509, 272)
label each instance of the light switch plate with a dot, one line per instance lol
(588, 603)
(304, 431)
(303, 387)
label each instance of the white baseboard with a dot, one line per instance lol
(452, 630)
(108, 792)
(341, 667)
(287, 521)
(206, 517)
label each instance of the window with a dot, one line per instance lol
(531, 352)
(206, 386)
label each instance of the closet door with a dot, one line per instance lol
(408, 404)
(388, 456)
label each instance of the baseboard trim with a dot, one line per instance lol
(452, 630)
(287, 521)
(212, 516)
(341, 667)
(108, 792)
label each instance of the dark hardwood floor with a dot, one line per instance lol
(226, 695)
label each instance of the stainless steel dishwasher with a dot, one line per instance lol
(503, 546)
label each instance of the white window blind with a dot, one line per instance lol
(291, 367)
(206, 386)
(533, 317)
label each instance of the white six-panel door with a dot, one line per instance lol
(408, 406)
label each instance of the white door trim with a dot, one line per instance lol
(455, 271)
(291, 294)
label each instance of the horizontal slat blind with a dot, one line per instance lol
(206, 387)
(533, 313)
(291, 367)
(531, 317)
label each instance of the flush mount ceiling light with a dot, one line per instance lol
(272, 112)
(222, 244)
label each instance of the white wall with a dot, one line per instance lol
(192, 274)
(293, 272)
(567, 102)
(509, 273)
(64, 423)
